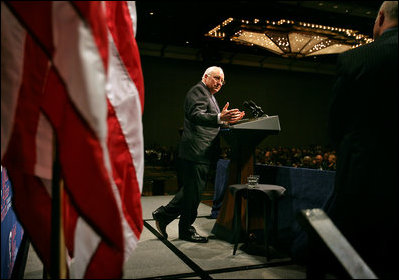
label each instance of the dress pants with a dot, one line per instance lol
(186, 201)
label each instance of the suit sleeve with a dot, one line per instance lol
(338, 104)
(198, 108)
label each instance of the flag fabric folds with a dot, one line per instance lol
(72, 86)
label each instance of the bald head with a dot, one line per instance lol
(213, 78)
(387, 18)
(390, 9)
(211, 70)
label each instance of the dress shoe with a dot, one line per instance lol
(160, 223)
(193, 237)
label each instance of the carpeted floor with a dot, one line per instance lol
(155, 257)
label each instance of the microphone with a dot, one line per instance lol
(251, 108)
(247, 105)
(259, 111)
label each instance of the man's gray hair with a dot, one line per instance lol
(212, 69)
(390, 9)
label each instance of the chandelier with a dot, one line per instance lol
(289, 38)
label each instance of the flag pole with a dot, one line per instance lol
(58, 262)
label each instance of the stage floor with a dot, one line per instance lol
(175, 258)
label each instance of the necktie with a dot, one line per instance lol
(216, 104)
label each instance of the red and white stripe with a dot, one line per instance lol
(126, 100)
(69, 79)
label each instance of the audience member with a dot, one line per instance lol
(364, 118)
(307, 162)
(332, 162)
(318, 162)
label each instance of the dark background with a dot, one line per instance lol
(175, 53)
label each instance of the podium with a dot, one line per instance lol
(243, 137)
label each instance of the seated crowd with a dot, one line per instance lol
(316, 157)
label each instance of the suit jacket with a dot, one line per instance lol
(200, 141)
(364, 127)
(364, 114)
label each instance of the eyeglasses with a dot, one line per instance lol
(219, 79)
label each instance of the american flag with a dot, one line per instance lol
(72, 84)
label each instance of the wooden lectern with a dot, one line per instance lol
(243, 137)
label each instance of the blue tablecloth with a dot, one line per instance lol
(222, 171)
(305, 188)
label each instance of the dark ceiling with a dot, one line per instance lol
(185, 23)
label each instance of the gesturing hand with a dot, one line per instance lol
(231, 116)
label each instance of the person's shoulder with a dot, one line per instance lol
(199, 88)
(359, 51)
(390, 35)
(388, 38)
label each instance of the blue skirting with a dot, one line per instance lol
(11, 230)
(305, 188)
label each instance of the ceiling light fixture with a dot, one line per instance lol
(289, 38)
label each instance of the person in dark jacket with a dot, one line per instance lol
(197, 151)
(364, 127)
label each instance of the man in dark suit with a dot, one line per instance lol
(364, 127)
(197, 149)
